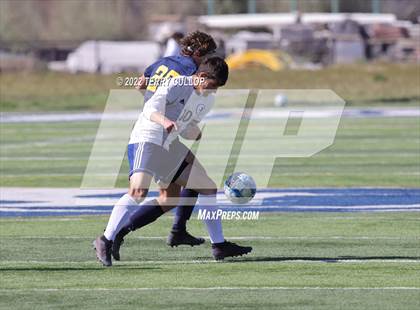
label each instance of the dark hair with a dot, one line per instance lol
(198, 41)
(216, 68)
(177, 36)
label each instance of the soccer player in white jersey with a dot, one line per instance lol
(154, 152)
(195, 47)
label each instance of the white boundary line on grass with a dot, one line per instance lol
(216, 115)
(290, 259)
(233, 238)
(345, 216)
(66, 209)
(213, 288)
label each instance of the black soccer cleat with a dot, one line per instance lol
(116, 245)
(228, 249)
(176, 238)
(103, 246)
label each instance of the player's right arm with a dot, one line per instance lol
(143, 80)
(154, 109)
(165, 122)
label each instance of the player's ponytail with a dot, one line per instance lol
(197, 42)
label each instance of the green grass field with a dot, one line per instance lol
(366, 152)
(300, 261)
(358, 84)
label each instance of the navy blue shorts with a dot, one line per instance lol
(163, 165)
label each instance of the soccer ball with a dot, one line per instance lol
(240, 188)
(280, 100)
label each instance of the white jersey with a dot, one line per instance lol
(179, 102)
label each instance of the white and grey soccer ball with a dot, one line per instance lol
(240, 188)
(280, 100)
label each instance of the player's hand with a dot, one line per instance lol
(142, 83)
(169, 125)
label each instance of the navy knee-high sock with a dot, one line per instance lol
(146, 214)
(184, 209)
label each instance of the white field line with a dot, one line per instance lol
(288, 260)
(87, 217)
(60, 158)
(233, 113)
(231, 238)
(51, 174)
(34, 208)
(42, 219)
(393, 173)
(216, 288)
(106, 212)
(61, 210)
(268, 189)
(170, 218)
(90, 139)
(379, 207)
(53, 141)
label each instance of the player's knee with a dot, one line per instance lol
(169, 201)
(138, 194)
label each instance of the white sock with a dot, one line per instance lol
(214, 226)
(120, 216)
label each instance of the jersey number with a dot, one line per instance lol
(186, 116)
(160, 73)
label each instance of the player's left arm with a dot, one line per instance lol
(154, 108)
